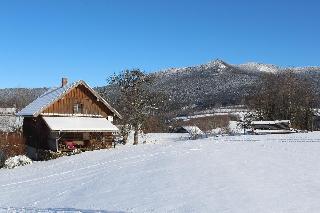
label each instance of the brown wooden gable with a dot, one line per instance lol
(79, 95)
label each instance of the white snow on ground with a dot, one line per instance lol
(270, 173)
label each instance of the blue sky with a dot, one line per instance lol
(43, 40)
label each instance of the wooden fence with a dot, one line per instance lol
(12, 143)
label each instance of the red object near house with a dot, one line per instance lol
(70, 145)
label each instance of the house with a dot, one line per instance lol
(67, 117)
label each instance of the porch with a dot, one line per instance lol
(84, 133)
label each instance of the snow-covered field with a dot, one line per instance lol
(272, 173)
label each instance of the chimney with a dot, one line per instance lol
(64, 82)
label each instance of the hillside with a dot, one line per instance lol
(216, 83)
(201, 87)
(20, 97)
(270, 173)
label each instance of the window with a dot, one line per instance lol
(78, 108)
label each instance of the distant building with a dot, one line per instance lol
(271, 127)
(188, 129)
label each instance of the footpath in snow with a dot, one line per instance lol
(271, 173)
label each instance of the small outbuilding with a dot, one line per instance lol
(271, 127)
(68, 117)
(189, 129)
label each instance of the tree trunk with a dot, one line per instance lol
(125, 139)
(135, 137)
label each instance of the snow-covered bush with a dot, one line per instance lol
(194, 132)
(16, 161)
(2, 158)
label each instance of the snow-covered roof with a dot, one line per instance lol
(80, 124)
(270, 122)
(54, 94)
(193, 130)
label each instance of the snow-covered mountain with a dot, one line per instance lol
(220, 83)
(203, 86)
(19, 97)
(220, 65)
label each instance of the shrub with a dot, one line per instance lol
(44, 155)
(12, 144)
(16, 161)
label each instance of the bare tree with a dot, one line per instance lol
(284, 96)
(136, 101)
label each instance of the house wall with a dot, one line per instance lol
(52, 141)
(36, 132)
(80, 94)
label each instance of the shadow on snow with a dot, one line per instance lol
(53, 210)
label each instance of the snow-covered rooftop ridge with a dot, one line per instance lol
(54, 94)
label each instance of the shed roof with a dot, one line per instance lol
(269, 122)
(80, 124)
(54, 94)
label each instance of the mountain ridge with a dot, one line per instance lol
(216, 83)
(248, 66)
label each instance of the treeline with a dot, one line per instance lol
(286, 95)
(19, 97)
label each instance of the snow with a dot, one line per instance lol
(80, 124)
(237, 110)
(193, 130)
(269, 173)
(235, 128)
(254, 66)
